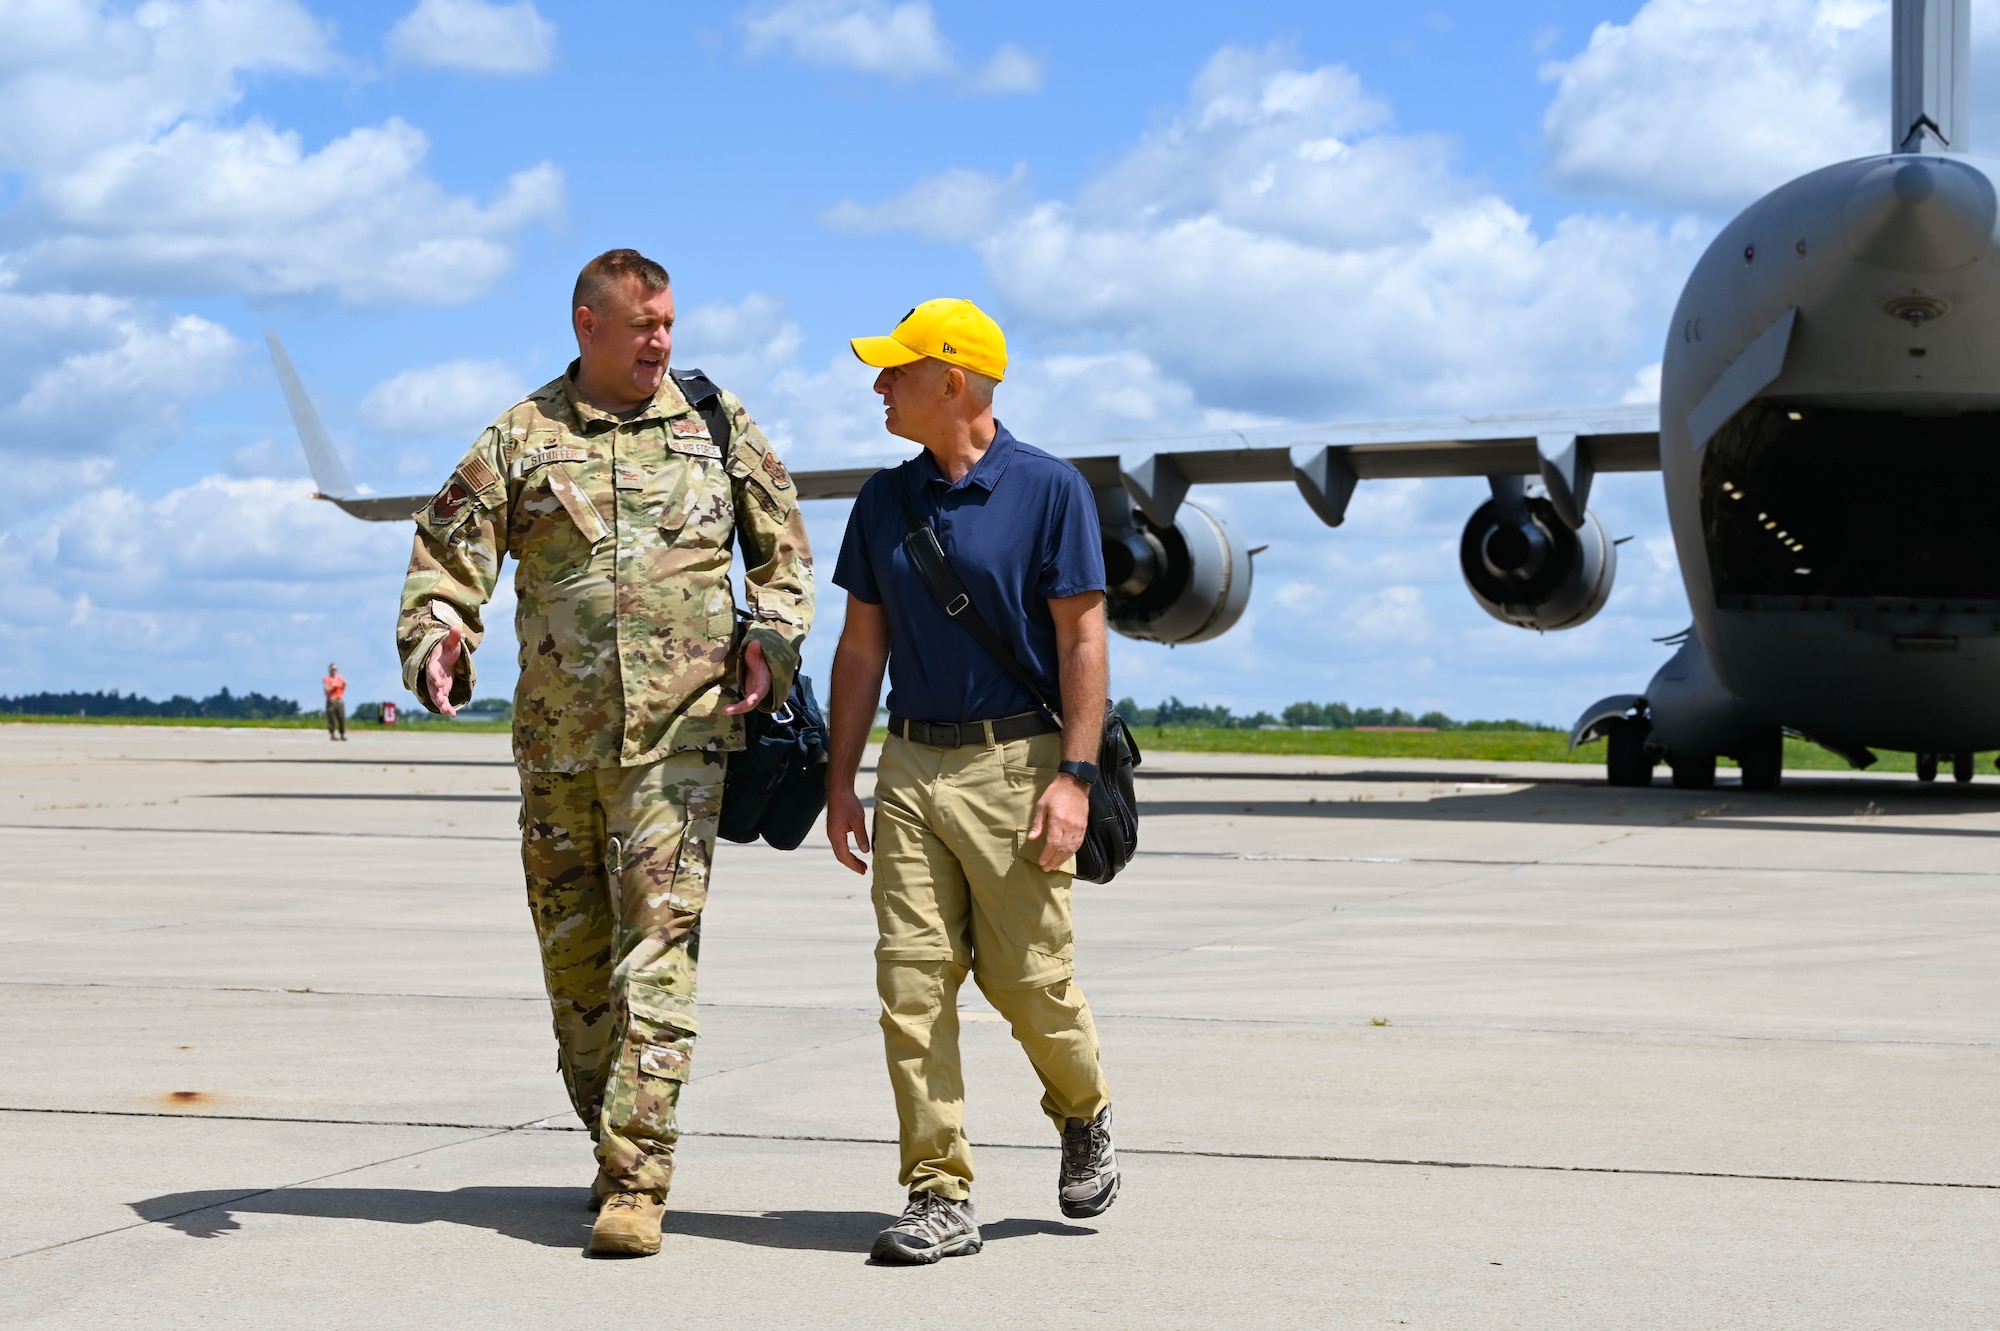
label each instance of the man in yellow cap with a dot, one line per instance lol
(981, 797)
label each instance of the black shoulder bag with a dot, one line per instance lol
(1112, 834)
(776, 787)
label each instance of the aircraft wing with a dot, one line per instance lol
(375, 508)
(329, 472)
(1565, 448)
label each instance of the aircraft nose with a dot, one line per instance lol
(1921, 214)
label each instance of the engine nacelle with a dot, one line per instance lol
(1526, 567)
(1186, 583)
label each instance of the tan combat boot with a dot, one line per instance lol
(628, 1225)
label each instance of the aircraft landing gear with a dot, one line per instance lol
(1927, 767)
(1961, 767)
(1763, 760)
(1626, 761)
(1692, 773)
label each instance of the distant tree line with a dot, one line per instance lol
(1300, 715)
(223, 706)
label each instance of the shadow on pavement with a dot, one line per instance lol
(550, 1217)
(1846, 805)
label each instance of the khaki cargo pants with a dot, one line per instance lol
(617, 862)
(957, 889)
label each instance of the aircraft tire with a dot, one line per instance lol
(1626, 762)
(1692, 773)
(1961, 767)
(1927, 767)
(1763, 760)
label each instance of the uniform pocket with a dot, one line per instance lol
(668, 1062)
(662, 1069)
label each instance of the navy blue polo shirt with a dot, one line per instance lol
(1020, 528)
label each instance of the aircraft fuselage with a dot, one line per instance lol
(1830, 448)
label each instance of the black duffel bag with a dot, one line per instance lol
(776, 786)
(1112, 835)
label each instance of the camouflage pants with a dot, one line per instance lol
(617, 863)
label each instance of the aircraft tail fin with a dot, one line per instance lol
(329, 472)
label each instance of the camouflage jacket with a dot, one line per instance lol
(621, 531)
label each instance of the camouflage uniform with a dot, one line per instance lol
(621, 531)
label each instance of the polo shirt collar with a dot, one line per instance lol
(985, 473)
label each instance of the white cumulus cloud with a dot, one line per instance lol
(77, 76)
(954, 207)
(243, 582)
(86, 380)
(1706, 105)
(900, 42)
(1009, 70)
(454, 399)
(246, 209)
(131, 178)
(1279, 248)
(474, 35)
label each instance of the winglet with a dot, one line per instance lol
(328, 470)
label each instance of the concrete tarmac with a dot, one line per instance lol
(1447, 1045)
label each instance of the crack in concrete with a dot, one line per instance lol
(489, 1131)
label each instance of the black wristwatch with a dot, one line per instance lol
(1084, 772)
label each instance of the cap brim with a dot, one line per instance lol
(883, 352)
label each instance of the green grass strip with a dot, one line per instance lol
(407, 721)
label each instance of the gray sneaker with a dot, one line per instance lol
(1089, 1181)
(931, 1227)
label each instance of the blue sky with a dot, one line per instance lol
(1184, 214)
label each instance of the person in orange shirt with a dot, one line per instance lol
(335, 689)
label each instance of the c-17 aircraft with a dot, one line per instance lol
(1828, 435)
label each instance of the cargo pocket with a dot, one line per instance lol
(659, 1042)
(1035, 915)
(663, 1069)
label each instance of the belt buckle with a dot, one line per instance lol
(937, 731)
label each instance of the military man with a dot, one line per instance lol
(619, 488)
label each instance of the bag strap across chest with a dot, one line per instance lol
(948, 590)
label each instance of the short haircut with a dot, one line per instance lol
(608, 270)
(981, 386)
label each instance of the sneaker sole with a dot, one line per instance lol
(1097, 1205)
(890, 1253)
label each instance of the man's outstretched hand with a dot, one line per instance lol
(441, 669)
(756, 680)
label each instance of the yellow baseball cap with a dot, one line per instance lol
(954, 331)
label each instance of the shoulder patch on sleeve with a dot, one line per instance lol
(776, 471)
(449, 503)
(477, 475)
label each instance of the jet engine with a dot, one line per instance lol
(1188, 582)
(1527, 567)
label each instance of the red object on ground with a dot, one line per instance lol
(388, 714)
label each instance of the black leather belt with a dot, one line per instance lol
(958, 734)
